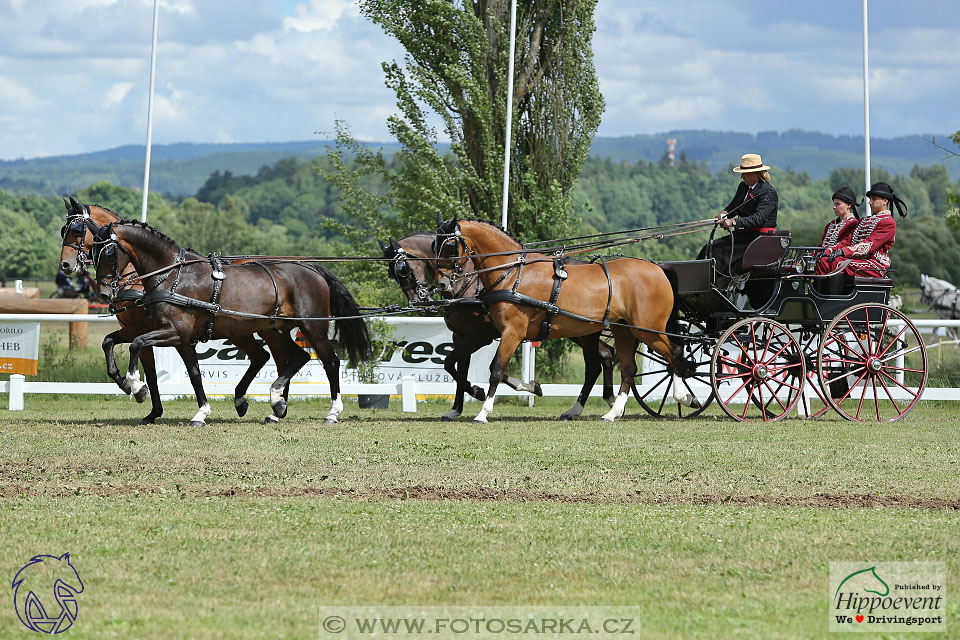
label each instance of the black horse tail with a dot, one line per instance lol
(352, 332)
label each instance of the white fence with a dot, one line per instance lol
(407, 387)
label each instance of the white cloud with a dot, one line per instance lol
(319, 15)
(118, 92)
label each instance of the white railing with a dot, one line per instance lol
(407, 388)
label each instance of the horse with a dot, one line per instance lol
(637, 297)
(134, 321)
(943, 298)
(410, 262)
(247, 298)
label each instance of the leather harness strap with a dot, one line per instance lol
(218, 276)
(559, 275)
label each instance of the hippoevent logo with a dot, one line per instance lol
(45, 594)
(888, 596)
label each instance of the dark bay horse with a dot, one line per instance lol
(190, 297)
(411, 263)
(637, 294)
(82, 221)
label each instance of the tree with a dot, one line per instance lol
(456, 67)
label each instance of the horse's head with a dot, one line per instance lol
(44, 581)
(408, 268)
(111, 261)
(451, 251)
(82, 223)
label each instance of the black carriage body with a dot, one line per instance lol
(780, 285)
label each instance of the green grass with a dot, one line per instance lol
(242, 530)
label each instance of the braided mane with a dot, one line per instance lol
(143, 225)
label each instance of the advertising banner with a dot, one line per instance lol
(19, 346)
(420, 346)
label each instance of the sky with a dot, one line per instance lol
(74, 73)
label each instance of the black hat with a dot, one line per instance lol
(885, 191)
(846, 194)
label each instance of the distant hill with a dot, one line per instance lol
(181, 169)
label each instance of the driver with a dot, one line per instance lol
(752, 212)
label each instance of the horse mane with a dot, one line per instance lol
(124, 222)
(495, 226)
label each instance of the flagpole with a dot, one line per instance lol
(506, 145)
(866, 101)
(153, 69)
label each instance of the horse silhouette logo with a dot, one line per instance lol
(863, 580)
(45, 594)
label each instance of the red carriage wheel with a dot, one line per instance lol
(757, 369)
(872, 364)
(812, 403)
(656, 384)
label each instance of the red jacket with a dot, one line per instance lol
(868, 248)
(837, 231)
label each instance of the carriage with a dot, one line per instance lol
(781, 338)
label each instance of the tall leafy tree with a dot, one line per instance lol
(455, 69)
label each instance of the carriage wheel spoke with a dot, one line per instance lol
(775, 397)
(892, 342)
(897, 382)
(889, 395)
(901, 353)
(856, 335)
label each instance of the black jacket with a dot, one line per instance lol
(759, 211)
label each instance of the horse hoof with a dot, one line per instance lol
(148, 420)
(142, 395)
(197, 423)
(271, 420)
(330, 421)
(242, 407)
(445, 419)
(479, 394)
(607, 419)
(124, 386)
(484, 421)
(537, 389)
(564, 416)
(280, 409)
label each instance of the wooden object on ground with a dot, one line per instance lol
(78, 330)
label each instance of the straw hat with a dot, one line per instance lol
(749, 163)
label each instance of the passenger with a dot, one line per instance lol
(866, 253)
(752, 212)
(845, 209)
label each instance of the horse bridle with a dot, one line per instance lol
(78, 224)
(400, 270)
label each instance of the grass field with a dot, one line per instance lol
(712, 529)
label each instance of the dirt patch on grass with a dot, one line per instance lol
(838, 501)
(483, 494)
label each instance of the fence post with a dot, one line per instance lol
(408, 393)
(16, 392)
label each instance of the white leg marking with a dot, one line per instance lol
(682, 396)
(134, 381)
(202, 413)
(276, 395)
(271, 418)
(486, 410)
(336, 408)
(617, 409)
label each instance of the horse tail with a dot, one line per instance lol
(352, 332)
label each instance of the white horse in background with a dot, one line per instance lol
(943, 298)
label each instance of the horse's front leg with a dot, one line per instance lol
(457, 364)
(168, 336)
(509, 341)
(150, 373)
(189, 356)
(258, 357)
(124, 335)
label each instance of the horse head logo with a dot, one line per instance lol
(45, 594)
(865, 580)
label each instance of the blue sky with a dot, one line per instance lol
(73, 73)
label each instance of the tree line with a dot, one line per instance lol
(298, 208)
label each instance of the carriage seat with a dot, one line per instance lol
(763, 254)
